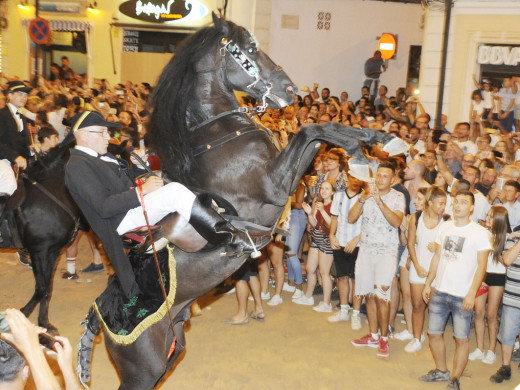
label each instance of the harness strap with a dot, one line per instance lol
(52, 197)
(224, 140)
(239, 110)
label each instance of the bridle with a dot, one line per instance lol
(250, 67)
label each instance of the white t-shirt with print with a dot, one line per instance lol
(458, 261)
(378, 237)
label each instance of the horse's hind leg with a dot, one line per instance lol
(38, 272)
(43, 269)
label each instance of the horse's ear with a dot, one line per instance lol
(220, 24)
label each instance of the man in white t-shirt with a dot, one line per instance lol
(458, 268)
(381, 211)
(462, 138)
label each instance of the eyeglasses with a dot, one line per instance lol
(104, 132)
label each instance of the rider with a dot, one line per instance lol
(14, 139)
(106, 195)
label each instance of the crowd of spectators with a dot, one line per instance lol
(409, 219)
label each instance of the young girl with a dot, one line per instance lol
(492, 289)
(422, 231)
(320, 252)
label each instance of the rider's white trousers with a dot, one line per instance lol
(159, 203)
(7, 179)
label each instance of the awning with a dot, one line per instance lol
(64, 24)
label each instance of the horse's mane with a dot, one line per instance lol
(44, 166)
(174, 100)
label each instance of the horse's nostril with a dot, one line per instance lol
(292, 89)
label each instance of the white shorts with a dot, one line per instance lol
(172, 197)
(373, 272)
(7, 179)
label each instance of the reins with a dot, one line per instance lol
(52, 197)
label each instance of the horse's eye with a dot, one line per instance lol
(252, 50)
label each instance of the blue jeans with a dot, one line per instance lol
(509, 325)
(373, 86)
(296, 230)
(441, 306)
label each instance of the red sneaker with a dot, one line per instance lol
(383, 349)
(366, 341)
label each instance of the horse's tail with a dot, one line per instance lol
(86, 342)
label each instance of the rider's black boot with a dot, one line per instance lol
(216, 230)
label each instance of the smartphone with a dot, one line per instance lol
(119, 92)
(500, 183)
(372, 184)
(112, 111)
(498, 154)
(442, 146)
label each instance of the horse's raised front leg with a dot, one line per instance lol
(287, 169)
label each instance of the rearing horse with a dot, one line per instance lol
(205, 140)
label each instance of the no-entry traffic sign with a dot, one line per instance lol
(40, 31)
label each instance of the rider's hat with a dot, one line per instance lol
(90, 118)
(17, 86)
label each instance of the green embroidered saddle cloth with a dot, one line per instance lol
(125, 319)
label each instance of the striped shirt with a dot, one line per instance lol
(341, 205)
(512, 289)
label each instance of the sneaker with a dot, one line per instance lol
(413, 346)
(341, 315)
(322, 307)
(403, 336)
(303, 300)
(68, 275)
(355, 322)
(288, 288)
(366, 341)
(453, 384)
(265, 296)
(383, 350)
(477, 354)
(490, 358)
(503, 374)
(93, 268)
(297, 294)
(275, 300)
(24, 258)
(516, 355)
(436, 376)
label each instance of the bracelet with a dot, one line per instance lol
(361, 203)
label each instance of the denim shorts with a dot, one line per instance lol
(441, 305)
(509, 325)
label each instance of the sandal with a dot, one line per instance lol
(259, 317)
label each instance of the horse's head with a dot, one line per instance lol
(249, 69)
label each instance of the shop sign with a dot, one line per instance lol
(499, 55)
(163, 11)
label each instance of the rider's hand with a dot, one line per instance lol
(21, 162)
(151, 184)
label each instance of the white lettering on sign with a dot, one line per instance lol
(131, 33)
(153, 9)
(386, 46)
(499, 55)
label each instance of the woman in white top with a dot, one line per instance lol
(492, 288)
(404, 268)
(422, 231)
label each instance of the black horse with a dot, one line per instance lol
(205, 140)
(46, 220)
